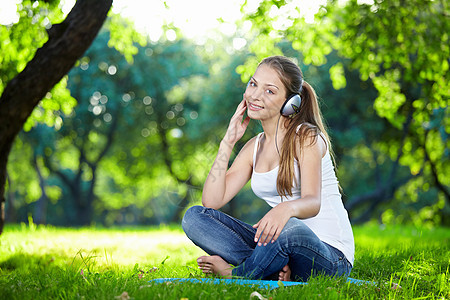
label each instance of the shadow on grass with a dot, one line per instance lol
(23, 261)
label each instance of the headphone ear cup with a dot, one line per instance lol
(291, 106)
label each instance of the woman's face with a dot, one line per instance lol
(265, 94)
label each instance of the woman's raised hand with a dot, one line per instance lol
(237, 126)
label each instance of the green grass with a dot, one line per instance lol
(91, 263)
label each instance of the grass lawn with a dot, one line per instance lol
(44, 262)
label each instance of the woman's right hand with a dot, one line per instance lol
(237, 126)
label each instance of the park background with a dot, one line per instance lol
(127, 135)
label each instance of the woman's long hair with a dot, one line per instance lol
(309, 116)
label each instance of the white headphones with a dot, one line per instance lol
(291, 106)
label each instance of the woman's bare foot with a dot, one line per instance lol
(214, 265)
(285, 274)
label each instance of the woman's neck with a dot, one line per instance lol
(271, 130)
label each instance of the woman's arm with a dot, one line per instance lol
(310, 163)
(222, 184)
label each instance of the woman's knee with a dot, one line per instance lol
(294, 224)
(296, 227)
(190, 217)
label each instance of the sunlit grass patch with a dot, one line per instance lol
(46, 262)
(101, 248)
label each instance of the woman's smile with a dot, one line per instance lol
(254, 107)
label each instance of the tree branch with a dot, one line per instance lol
(379, 196)
(64, 178)
(384, 191)
(434, 171)
(54, 59)
(42, 202)
(109, 137)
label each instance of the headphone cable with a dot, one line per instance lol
(276, 134)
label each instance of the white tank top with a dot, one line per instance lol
(331, 224)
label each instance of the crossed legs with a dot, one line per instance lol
(230, 242)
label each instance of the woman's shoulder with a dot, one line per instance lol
(248, 148)
(311, 136)
(306, 126)
(250, 144)
(308, 130)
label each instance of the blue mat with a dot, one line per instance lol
(269, 284)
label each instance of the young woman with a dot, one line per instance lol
(307, 231)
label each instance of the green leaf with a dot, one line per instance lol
(337, 76)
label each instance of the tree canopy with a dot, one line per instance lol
(129, 134)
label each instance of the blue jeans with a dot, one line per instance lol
(220, 234)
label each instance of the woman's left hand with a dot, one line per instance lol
(270, 226)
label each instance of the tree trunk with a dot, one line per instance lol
(66, 44)
(40, 213)
(84, 204)
(10, 209)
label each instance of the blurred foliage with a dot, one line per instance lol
(129, 135)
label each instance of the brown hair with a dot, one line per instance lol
(309, 115)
